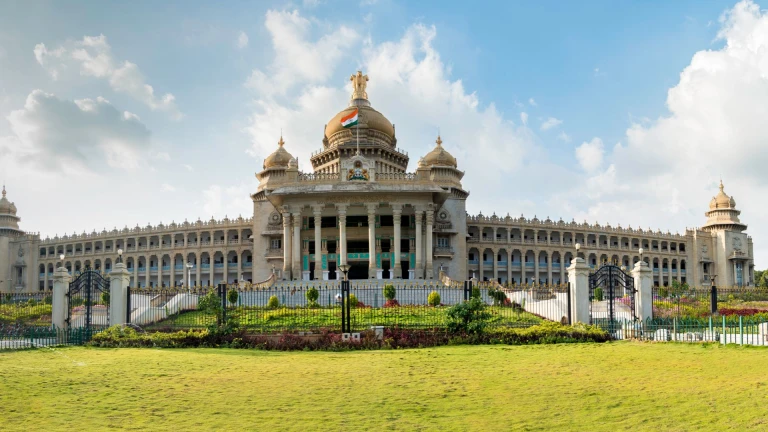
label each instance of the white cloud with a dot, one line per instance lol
(242, 40)
(532, 102)
(590, 154)
(550, 123)
(188, 167)
(524, 118)
(165, 156)
(165, 187)
(564, 137)
(75, 135)
(93, 56)
(297, 59)
(715, 126)
(230, 201)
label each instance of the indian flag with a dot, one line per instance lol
(349, 120)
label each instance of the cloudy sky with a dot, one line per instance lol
(114, 114)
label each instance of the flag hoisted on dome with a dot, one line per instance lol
(349, 120)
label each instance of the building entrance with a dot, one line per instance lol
(358, 270)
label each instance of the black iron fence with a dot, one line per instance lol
(315, 306)
(684, 302)
(27, 309)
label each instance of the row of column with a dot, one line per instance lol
(292, 265)
(536, 271)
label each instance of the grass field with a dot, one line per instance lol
(596, 387)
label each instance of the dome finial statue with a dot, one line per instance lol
(359, 83)
(439, 141)
(3, 190)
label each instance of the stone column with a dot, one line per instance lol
(172, 277)
(643, 276)
(372, 267)
(60, 304)
(536, 267)
(397, 211)
(419, 269)
(342, 246)
(578, 275)
(549, 269)
(286, 246)
(317, 212)
(495, 265)
(296, 247)
(136, 272)
(118, 294)
(146, 271)
(198, 268)
(428, 249)
(509, 266)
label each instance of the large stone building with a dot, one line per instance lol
(361, 206)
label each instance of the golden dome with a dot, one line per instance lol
(439, 156)
(368, 118)
(721, 200)
(280, 158)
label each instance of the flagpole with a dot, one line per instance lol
(357, 127)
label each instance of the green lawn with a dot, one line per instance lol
(595, 387)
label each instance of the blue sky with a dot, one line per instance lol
(568, 101)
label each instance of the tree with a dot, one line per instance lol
(761, 278)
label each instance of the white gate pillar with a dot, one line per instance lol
(59, 304)
(119, 278)
(644, 285)
(578, 275)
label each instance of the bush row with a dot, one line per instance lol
(394, 338)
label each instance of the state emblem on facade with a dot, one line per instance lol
(357, 172)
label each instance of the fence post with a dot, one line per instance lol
(642, 274)
(741, 330)
(713, 300)
(223, 294)
(578, 275)
(59, 303)
(119, 278)
(724, 334)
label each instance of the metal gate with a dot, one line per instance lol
(611, 298)
(88, 300)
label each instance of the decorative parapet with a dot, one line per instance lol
(536, 223)
(158, 229)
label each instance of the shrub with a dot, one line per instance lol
(598, 294)
(105, 298)
(391, 303)
(48, 300)
(389, 292)
(433, 299)
(499, 297)
(232, 296)
(470, 317)
(475, 292)
(312, 295)
(31, 302)
(210, 303)
(663, 292)
(353, 300)
(273, 302)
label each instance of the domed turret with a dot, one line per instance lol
(6, 207)
(439, 156)
(367, 117)
(9, 222)
(722, 200)
(280, 158)
(722, 213)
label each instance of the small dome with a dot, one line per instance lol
(721, 200)
(439, 156)
(6, 207)
(280, 158)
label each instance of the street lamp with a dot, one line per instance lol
(189, 268)
(119, 256)
(640, 251)
(344, 270)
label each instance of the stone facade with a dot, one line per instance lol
(362, 208)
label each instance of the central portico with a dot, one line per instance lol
(360, 206)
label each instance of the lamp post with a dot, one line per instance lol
(345, 313)
(119, 256)
(713, 294)
(189, 269)
(640, 251)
